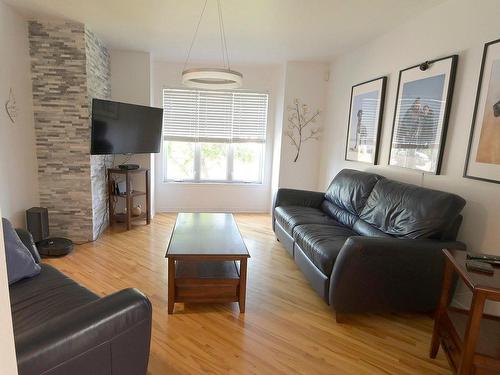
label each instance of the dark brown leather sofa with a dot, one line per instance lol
(62, 328)
(370, 243)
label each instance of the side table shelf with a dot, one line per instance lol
(470, 338)
(129, 196)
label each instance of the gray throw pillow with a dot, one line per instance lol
(20, 262)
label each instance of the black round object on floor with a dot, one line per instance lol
(54, 246)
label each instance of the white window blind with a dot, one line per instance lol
(214, 116)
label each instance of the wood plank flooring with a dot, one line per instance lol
(287, 328)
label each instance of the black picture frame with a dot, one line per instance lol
(473, 127)
(378, 126)
(446, 115)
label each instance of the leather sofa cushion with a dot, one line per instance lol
(362, 228)
(45, 296)
(350, 189)
(322, 243)
(291, 216)
(342, 216)
(410, 211)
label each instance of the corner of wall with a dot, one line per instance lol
(305, 81)
(98, 86)
(278, 133)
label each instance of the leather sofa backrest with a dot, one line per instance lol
(410, 211)
(347, 194)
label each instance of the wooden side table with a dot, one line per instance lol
(129, 196)
(470, 339)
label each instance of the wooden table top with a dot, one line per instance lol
(474, 279)
(206, 234)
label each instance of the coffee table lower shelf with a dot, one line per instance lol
(207, 281)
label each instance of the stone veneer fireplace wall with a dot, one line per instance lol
(70, 66)
(98, 86)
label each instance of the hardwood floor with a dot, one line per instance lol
(287, 328)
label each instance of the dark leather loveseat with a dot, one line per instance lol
(61, 328)
(370, 243)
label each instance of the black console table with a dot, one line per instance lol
(129, 196)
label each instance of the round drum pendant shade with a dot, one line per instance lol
(212, 78)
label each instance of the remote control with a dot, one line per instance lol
(492, 259)
(475, 266)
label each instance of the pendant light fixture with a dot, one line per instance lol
(215, 77)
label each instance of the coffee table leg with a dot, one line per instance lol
(243, 284)
(171, 285)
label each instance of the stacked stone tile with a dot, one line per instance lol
(69, 66)
(98, 86)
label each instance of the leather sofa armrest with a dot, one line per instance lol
(382, 274)
(27, 240)
(294, 197)
(104, 321)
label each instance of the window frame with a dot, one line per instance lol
(229, 166)
(230, 154)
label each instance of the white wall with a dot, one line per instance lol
(218, 197)
(455, 27)
(7, 348)
(307, 82)
(18, 181)
(278, 132)
(131, 83)
(130, 76)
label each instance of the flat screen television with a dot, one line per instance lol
(121, 128)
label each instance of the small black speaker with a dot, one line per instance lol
(37, 219)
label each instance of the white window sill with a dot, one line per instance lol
(205, 183)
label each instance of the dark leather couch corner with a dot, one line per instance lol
(370, 244)
(293, 197)
(62, 328)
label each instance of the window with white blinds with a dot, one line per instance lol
(214, 116)
(214, 136)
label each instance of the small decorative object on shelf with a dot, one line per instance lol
(137, 210)
(298, 120)
(124, 190)
(470, 338)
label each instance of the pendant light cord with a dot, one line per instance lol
(195, 35)
(225, 55)
(223, 41)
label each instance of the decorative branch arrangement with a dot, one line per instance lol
(11, 107)
(298, 120)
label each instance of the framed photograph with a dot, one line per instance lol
(421, 116)
(365, 120)
(483, 153)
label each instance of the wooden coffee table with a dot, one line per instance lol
(207, 260)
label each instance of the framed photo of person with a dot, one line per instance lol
(421, 117)
(483, 153)
(365, 119)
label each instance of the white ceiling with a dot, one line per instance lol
(258, 31)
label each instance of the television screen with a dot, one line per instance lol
(120, 128)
